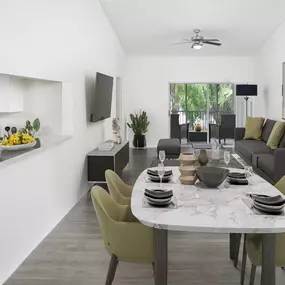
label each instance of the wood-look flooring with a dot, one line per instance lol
(73, 253)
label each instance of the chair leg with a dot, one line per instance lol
(153, 268)
(252, 274)
(243, 266)
(112, 269)
(238, 239)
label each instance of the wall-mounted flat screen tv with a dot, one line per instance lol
(102, 98)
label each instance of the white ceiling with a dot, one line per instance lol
(152, 26)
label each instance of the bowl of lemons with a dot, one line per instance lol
(18, 141)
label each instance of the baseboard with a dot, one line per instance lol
(148, 146)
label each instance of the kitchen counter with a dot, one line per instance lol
(5, 155)
(9, 157)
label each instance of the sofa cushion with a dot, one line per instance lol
(249, 147)
(253, 128)
(276, 135)
(267, 128)
(266, 163)
(282, 142)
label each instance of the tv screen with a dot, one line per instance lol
(102, 98)
(246, 90)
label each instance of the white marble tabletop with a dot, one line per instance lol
(199, 209)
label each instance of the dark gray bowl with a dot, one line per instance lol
(212, 177)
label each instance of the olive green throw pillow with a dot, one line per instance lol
(276, 135)
(253, 128)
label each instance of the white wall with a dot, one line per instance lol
(43, 99)
(268, 70)
(146, 83)
(40, 99)
(62, 41)
(11, 97)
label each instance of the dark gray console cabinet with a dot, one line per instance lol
(99, 161)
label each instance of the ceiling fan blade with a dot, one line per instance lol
(182, 43)
(211, 40)
(211, 43)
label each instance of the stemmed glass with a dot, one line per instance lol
(248, 173)
(227, 157)
(161, 156)
(160, 171)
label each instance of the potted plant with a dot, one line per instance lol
(139, 124)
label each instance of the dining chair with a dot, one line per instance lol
(118, 189)
(125, 238)
(253, 249)
(280, 185)
(224, 130)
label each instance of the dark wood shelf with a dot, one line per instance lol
(99, 161)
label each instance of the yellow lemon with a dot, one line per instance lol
(5, 141)
(17, 141)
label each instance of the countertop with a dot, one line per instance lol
(112, 152)
(220, 210)
(5, 155)
(10, 157)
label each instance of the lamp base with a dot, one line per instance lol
(246, 99)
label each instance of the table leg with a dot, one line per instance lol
(161, 259)
(238, 239)
(268, 259)
(233, 242)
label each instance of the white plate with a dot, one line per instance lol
(19, 146)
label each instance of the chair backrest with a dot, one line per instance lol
(106, 210)
(280, 185)
(228, 120)
(116, 186)
(184, 130)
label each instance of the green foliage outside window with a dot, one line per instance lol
(192, 99)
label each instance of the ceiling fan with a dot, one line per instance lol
(197, 41)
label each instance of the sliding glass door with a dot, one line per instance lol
(203, 102)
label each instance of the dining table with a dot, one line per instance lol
(198, 209)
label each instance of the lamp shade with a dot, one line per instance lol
(246, 90)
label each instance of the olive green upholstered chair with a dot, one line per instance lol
(125, 238)
(280, 185)
(119, 190)
(253, 246)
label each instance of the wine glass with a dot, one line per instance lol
(227, 157)
(160, 172)
(161, 156)
(248, 171)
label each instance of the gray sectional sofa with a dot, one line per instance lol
(269, 164)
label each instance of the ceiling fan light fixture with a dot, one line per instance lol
(197, 45)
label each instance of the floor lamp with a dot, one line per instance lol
(246, 90)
